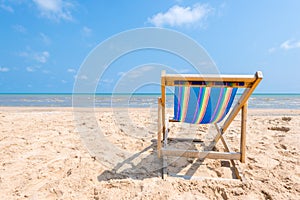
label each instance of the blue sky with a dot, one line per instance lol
(44, 42)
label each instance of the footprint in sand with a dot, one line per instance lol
(286, 119)
(281, 146)
(282, 128)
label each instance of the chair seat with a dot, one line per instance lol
(202, 105)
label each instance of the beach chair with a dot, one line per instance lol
(205, 99)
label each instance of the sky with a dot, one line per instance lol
(44, 43)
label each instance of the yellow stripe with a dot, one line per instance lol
(203, 104)
(224, 104)
(185, 103)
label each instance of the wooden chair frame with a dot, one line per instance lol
(249, 82)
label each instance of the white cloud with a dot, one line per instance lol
(30, 69)
(46, 40)
(19, 28)
(33, 68)
(86, 31)
(179, 16)
(41, 57)
(4, 69)
(290, 44)
(55, 9)
(7, 8)
(70, 70)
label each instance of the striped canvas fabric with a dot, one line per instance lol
(202, 105)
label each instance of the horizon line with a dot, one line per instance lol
(124, 93)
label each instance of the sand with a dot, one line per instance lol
(56, 153)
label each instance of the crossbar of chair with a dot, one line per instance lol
(185, 139)
(200, 178)
(173, 120)
(171, 78)
(210, 84)
(200, 154)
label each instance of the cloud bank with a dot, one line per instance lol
(290, 44)
(178, 16)
(55, 9)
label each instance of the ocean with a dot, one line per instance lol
(263, 101)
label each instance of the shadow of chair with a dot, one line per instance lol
(145, 164)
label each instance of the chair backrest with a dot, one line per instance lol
(202, 105)
(207, 98)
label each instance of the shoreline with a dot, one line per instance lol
(268, 111)
(136, 101)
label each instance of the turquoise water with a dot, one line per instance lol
(269, 101)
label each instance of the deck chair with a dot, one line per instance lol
(205, 99)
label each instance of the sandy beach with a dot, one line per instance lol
(56, 153)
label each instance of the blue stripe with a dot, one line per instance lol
(192, 110)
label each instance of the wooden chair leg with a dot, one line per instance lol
(234, 163)
(243, 132)
(159, 128)
(164, 168)
(161, 138)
